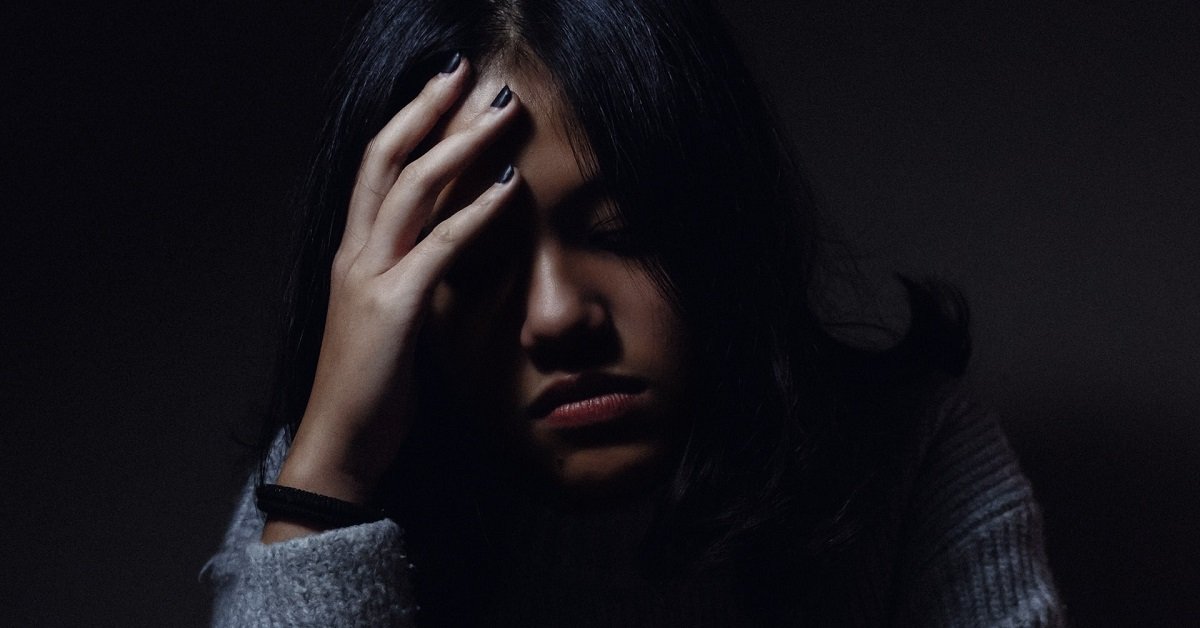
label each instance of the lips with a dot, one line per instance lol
(586, 398)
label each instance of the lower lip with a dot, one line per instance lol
(591, 411)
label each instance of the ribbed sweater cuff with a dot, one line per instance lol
(355, 576)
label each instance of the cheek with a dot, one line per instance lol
(650, 324)
(664, 349)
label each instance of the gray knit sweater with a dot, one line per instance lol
(962, 547)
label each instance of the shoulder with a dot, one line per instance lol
(953, 431)
(941, 455)
(970, 531)
(960, 468)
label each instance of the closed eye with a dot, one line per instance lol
(611, 234)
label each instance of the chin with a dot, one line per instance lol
(599, 476)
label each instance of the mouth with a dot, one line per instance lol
(587, 399)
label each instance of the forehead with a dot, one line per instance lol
(539, 144)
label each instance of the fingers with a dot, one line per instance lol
(389, 150)
(406, 208)
(426, 262)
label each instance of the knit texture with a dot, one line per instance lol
(960, 545)
(972, 551)
(354, 576)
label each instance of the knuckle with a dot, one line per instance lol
(362, 295)
(377, 301)
(445, 233)
(341, 264)
(374, 148)
(388, 147)
(347, 253)
(417, 174)
(352, 275)
(381, 152)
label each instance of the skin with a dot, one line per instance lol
(517, 286)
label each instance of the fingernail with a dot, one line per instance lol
(502, 98)
(507, 175)
(452, 63)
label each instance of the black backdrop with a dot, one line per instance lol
(1043, 155)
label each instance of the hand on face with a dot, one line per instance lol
(360, 408)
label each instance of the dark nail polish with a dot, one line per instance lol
(502, 98)
(507, 175)
(452, 63)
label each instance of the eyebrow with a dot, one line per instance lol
(592, 190)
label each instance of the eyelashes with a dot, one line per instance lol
(613, 235)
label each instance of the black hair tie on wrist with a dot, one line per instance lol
(292, 503)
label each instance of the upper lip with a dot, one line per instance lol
(580, 386)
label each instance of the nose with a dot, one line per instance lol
(565, 317)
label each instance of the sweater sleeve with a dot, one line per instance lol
(974, 555)
(353, 576)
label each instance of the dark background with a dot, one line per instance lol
(1043, 155)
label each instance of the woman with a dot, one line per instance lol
(555, 355)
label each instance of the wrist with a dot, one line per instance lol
(326, 473)
(325, 479)
(333, 454)
(288, 503)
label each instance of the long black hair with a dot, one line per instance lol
(677, 130)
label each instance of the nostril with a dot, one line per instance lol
(566, 321)
(569, 335)
(551, 317)
(578, 349)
